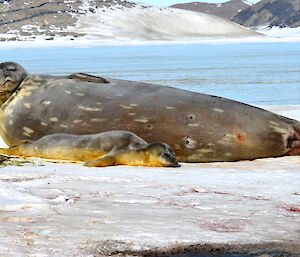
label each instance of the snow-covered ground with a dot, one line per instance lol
(87, 42)
(63, 209)
(281, 34)
(267, 36)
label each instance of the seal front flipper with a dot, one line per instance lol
(88, 78)
(107, 160)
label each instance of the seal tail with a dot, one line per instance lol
(10, 151)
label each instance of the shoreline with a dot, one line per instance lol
(86, 42)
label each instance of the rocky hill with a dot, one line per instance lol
(225, 10)
(282, 13)
(31, 18)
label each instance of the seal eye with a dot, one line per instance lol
(11, 69)
(170, 150)
(8, 80)
(165, 156)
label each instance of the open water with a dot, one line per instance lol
(254, 73)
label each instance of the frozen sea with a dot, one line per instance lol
(216, 209)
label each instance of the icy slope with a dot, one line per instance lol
(154, 23)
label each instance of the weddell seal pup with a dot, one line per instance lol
(102, 149)
(199, 127)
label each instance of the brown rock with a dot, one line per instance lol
(225, 10)
(282, 13)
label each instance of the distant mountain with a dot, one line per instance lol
(107, 20)
(225, 10)
(282, 13)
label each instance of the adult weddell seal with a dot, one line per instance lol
(199, 127)
(101, 149)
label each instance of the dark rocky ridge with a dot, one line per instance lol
(49, 18)
(282, 13)
(225, 10)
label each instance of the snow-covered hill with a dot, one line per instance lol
(107, 19)
(154, 23)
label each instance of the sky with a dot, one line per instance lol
(171, 2)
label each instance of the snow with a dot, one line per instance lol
(90, 41)
(41, 42)
(292, 34)
(55, 209)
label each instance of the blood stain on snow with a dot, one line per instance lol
(292, 209)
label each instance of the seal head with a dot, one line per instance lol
(139, 154)
(163, 153)
(11, 76)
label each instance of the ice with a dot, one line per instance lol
(65, 209)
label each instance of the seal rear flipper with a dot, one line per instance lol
(15, 150)
(107, 160)
(10, 151)
(88, 78)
